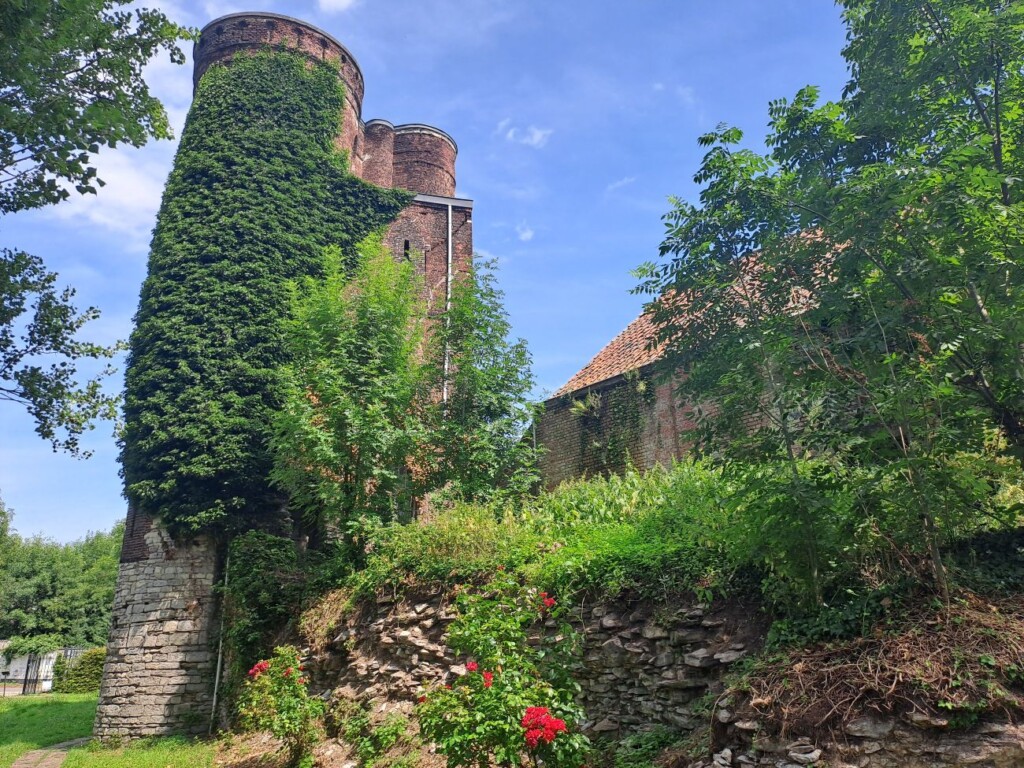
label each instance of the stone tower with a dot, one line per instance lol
(162, 668)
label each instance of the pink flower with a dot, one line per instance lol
(472, 666)
(488, 679)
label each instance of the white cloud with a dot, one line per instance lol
(623, 182)
(128, 202)
(531, 137)
(687, 95)
(524, 232)
(335, 6)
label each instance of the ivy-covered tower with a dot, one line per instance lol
(275, 163)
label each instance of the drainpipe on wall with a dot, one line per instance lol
(447, 309)
(220, 644)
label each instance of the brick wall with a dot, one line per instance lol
(631, 419)
(424, 160)
(421, 231)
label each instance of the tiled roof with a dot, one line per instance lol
(626, 352)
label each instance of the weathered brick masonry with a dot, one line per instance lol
(161, 656)
(613, 413)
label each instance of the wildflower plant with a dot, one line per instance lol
(275, 698)
(516, 701)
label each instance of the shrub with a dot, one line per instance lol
(517, 698)
(275, 699)
(81, 674)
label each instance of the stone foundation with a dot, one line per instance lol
(160, 667)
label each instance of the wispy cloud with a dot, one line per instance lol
(687, 95)
(335, 6)
(619, 184)
(532, 136)
(524, 233)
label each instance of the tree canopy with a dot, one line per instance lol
(57, 594)
(852, 296)
(70, 83)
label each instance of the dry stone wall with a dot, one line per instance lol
(640, 666)
(160, 666)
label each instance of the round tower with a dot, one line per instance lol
(424, 160)
(253, 31)
(379, 153)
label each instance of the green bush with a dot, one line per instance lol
(652, 533)
(81, 674)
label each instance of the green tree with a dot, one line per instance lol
(63, 593)
(70, 82)
(258, 191)
(854, 293)
(381, 411)
(62, 408)
(477, 447)
(345, 440)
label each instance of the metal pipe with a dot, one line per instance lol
(220, 642)
(447, 310)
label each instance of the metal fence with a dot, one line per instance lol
(39, 669)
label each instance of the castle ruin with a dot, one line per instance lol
(162, 673)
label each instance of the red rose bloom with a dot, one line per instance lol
(472, 666)
(488, 679)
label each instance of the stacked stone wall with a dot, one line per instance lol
(160, 666)
(640, 666)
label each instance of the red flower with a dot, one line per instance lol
(541, 726)
(259, 668)
(288, 672)
(421, 699)
(488, 679)
(549, 602)
(302, 681)
(472, 666)
(448, 687)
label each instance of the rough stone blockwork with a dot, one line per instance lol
(158, 676)
(639, 667)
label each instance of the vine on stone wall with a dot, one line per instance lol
(257, 192)
(611, 423)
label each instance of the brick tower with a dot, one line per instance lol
(162, 670)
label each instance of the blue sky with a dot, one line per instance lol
(575, 122)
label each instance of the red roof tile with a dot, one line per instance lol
(626, 352)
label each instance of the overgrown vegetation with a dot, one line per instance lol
(381, 411)
(81, 674)
(257, 193)
(852, 297)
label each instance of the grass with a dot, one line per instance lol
(31, 722)
(147, 753)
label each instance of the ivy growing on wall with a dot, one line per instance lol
(257, 192)
(611, 423)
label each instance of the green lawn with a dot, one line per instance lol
(30, 722)
(148, 753)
